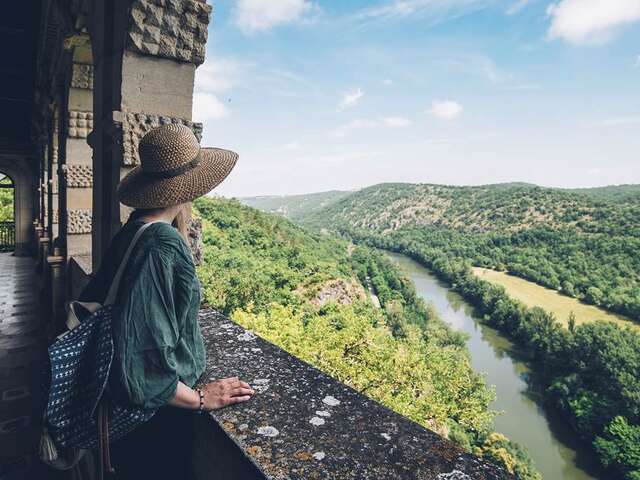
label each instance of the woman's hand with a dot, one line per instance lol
(225, 391)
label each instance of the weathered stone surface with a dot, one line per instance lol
(80, 124)
(82, 76)
(79, 221)
(174, 29)
(195, 240)
(303, 424)
(135, 125)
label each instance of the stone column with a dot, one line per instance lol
(78, 171)
(145, 55)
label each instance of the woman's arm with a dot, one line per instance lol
(218, 394)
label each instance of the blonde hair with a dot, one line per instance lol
(183, 220)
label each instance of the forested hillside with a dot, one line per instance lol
(583, 244)
(294, 207)
(307, 293)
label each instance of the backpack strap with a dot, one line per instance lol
(115, 283)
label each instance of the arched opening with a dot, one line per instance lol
(7, 213)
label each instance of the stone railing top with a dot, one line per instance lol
(303, 424)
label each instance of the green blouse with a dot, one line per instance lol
(157, 340)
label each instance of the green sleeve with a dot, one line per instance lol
(153, 316)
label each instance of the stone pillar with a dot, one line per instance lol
(145, 54)
(52, 181)
(78, 170)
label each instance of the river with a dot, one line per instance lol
(555, 450)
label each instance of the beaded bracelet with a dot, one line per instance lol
(201, 394)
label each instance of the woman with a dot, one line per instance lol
(159, 351)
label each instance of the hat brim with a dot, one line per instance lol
(139, 190)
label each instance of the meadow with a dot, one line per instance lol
(561, 306)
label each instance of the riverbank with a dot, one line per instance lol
(551, 443)
(588, 372)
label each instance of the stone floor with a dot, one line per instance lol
(22, 355)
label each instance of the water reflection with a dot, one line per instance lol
(554, 448)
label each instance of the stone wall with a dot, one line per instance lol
(303, 424)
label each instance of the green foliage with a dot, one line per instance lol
(582, 244)
(6, 200)
(590, 250)
(422, 381)
(267, 274)
(294, 207)
(498, 448)
(620, 447)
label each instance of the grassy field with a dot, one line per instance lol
(560, 305)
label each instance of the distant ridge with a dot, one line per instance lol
(294, 207)
(303, 206)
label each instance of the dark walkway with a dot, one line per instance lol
(22, 353)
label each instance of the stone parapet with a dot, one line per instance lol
(303, 424)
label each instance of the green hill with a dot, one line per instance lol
(294, 207)
(614, 193)
(306, 292)
(583, 246)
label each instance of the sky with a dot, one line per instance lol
(317, 95)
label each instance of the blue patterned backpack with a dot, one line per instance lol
(78, 415)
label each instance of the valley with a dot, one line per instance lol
(567, 251)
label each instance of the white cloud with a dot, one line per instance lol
(445, 109)
(254, 16)
(387, 82)
(637, 64)
(396, 122)
(594, 171)
(214, 77)
(590, 21)
(218, 75)
(517, 6)
(351, 98)
(434, 11)
(206, 106)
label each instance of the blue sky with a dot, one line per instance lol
(319, 95)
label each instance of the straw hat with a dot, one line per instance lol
(173, 169)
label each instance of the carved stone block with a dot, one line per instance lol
(79, 221)
(80, 124)
(82, 76)
(174, 29)
(79, 176)
(135, 125)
